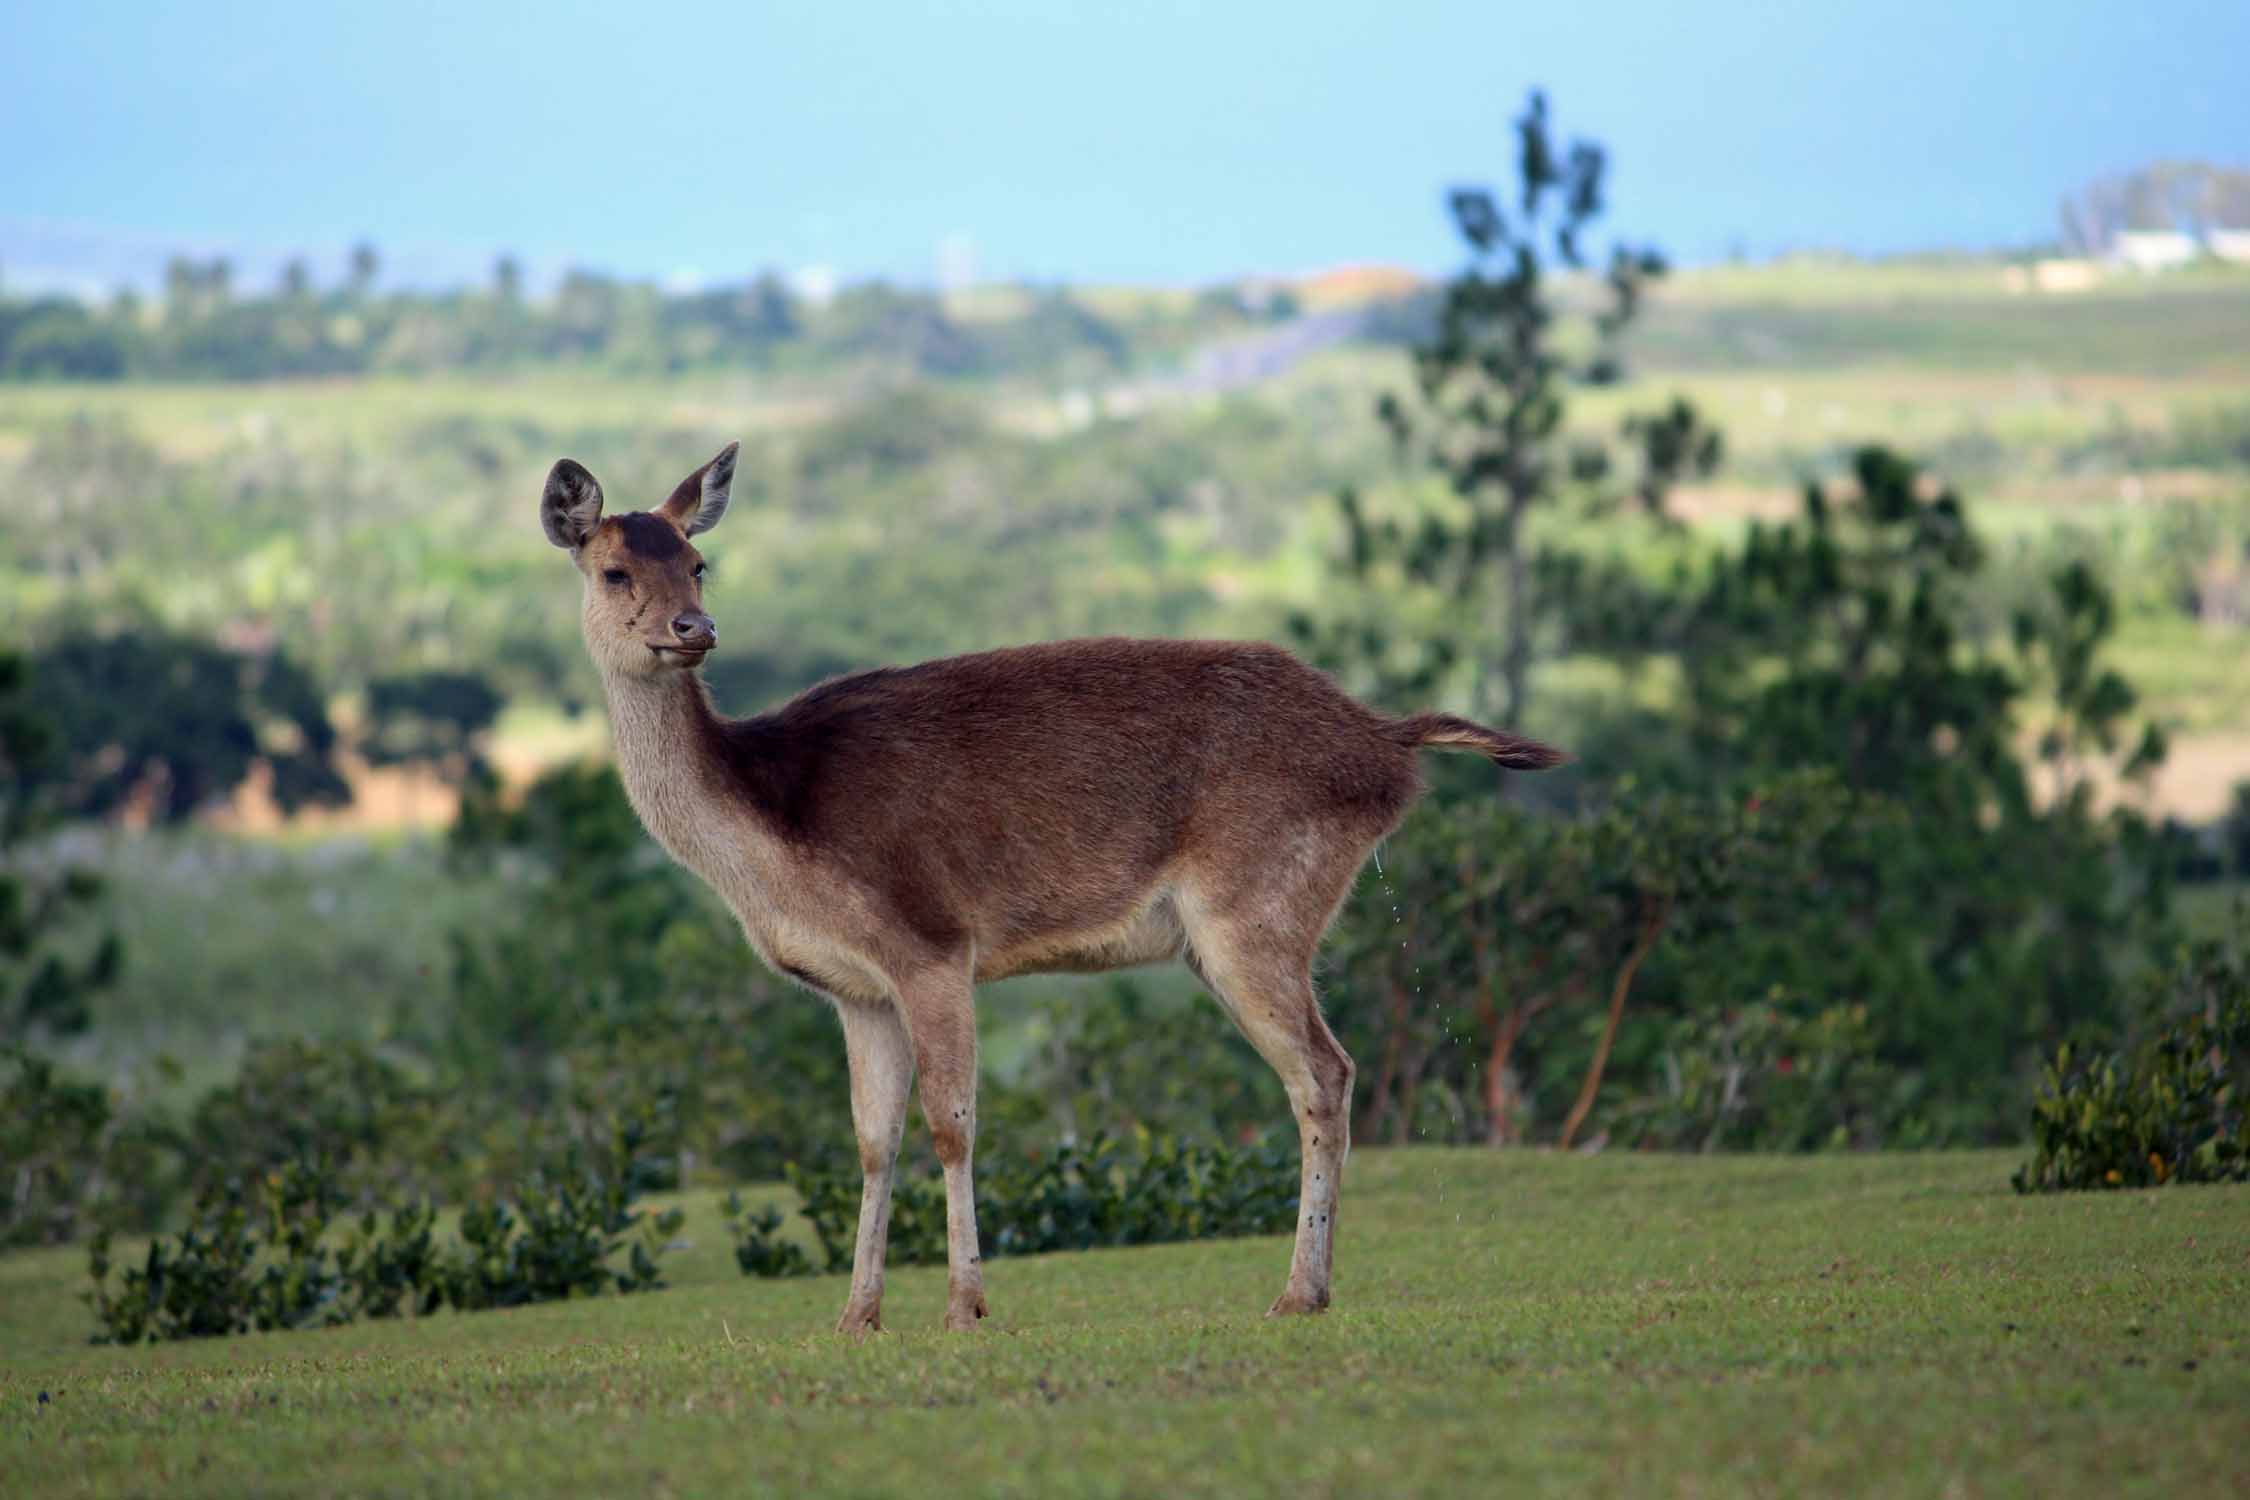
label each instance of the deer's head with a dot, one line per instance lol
(644, 581)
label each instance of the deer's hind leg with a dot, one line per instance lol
(1252, 934)
(939, 1008)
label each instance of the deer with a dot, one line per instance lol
(892, 838)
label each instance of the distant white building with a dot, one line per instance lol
(2229, 245)
(2154, 249)
(2052, 277)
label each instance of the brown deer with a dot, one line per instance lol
(893, 837)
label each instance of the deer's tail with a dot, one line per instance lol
(1452, 732)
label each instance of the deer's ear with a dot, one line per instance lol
(695, 507)
(572, 504)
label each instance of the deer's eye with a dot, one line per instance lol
(700, 570)
(615, 576)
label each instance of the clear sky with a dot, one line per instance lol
(1134, 141)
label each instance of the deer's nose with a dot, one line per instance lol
(694, 630)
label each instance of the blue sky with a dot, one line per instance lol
(1125, 141)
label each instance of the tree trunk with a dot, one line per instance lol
(1499, 1093)
(1386, 1079)
(1410, 1094)
(1652, 927)
(1515, 658)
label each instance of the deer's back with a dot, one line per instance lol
(1000, 793)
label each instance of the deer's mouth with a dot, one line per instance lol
(682, 653)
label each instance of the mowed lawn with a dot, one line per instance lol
(1506, 1323)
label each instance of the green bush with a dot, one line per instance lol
(238, 1267)
(380, 1134)
(556, 1242)
(272, 1257)
(2216, 438)
(2169, 1108)
(1763, 1077)
(646, 1002)
(1104, 1192)
(758, 1246)
(1113, 1056)
(73, 1158)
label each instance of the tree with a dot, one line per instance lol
(182, 284)
(436, 719)
(1862, 638)
(1490, 993)
(621, 986)
(45, 976)
(1487, 415)
(60, 340)
(365, 265)
(173, 724)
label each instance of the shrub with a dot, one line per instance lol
(647, 1001)
(1145, 1191)
(231, 1270)
(557, 1242)
(276, 1263)
(1115, 1057)
(758, 1246)
(1760, 1077)
(74, 1159)
(377, 1133)
(2167, 1109)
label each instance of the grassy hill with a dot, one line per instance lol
(1898, 1324)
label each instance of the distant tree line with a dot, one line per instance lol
(206, 326)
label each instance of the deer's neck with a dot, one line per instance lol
(672, 756)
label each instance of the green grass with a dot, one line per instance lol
(1517, 1322)
(231, 940)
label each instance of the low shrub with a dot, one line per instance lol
(1144, 1191)
(379, 1135)
(2169, 1108)
(1765, 1077)
(557, 1241)
(238, 1267)
(1113, 1056)
(758, 1246)
(75, 1160)
(275, 1259)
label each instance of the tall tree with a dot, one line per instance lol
(1491, 388)
(365, 263)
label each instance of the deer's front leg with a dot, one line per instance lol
(882, 1068)
(941, 1016)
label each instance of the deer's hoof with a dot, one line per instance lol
(1293, 1301)
(963, 1313)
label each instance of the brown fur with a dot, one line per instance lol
(893, 837)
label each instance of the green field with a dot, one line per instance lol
(1523, 1323)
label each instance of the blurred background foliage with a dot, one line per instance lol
(1895, 616)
